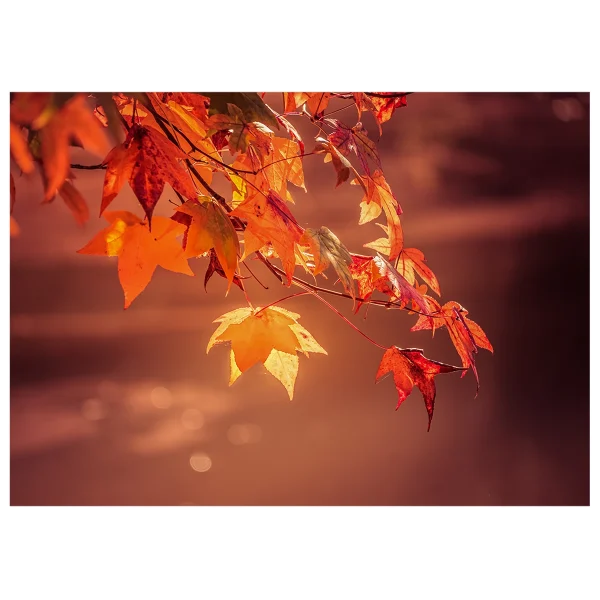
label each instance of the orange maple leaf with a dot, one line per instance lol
(271, 336)
(139, 250)
(410, 367)
(270, 221)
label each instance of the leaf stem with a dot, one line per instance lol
(281, 300)
(338, 313)
(316, 288)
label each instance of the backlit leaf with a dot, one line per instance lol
(270, 336)
(410, 368)
(146, 160)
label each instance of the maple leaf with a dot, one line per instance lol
(378, 196)
(316, 102)
(271, 336)
(270, 221)
(250, 105)
(400, 288)
(466, 335)
(411, 367)
(410, 262)
(190, 131)
(376, 273)
(196, 103)
(272, 171)
(340, 163)
(282, 165)
(242, 134)
(384, 107)
(291, 130)
(214, 266)
(381, 104)
(19, 149)
(327, 250)
(139, 250)
(59, 127)
(354, 139)
(211, 228)
(147, 160)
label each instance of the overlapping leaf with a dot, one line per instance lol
(410, 262)
(466, 335)
(146, 160)
(210, 227)
(410, 367)
(271, 336)
(343, 167)
(316, 102)
(270, 222)
(355, 140)
(381, 104)
(250, 104)
(376, 273)
(60, 122)
(242, 133)
(214, 266)
(327, 250)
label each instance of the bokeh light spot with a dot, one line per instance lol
(161, 397)
(244, 433)
(567, 109)
(93, 409)
(200, 462)
(192, 419)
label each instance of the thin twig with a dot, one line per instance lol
(316, 288)
(338, 313)
(265, 287)
(88, 167)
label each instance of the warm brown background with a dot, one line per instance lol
(495, 189)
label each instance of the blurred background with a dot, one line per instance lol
(114, 407)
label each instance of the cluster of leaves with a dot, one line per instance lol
(186, 140)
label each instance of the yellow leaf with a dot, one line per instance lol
(270, 336)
